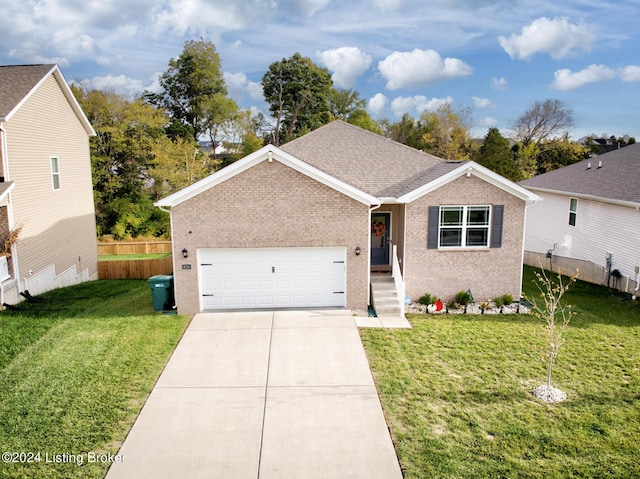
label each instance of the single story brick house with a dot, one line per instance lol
(307, 224)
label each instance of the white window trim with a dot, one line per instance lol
(55, 174)
(464, 227)
(573, 212)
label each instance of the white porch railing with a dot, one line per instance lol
(397, 278)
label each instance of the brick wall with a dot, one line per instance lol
(488, 272)
(269, 205)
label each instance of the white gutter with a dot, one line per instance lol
(5, 166)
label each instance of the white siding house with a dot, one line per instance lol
(589, 219)
(45, 183)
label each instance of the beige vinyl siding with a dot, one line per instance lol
(58, 225)
(600, 228)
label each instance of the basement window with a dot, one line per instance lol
(55, 173)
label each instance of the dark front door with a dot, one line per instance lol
(380, 229)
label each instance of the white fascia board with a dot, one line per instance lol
(71, 98)
(266, 153)
(583, 196)
(472, 168)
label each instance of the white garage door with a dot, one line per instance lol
(272, 277)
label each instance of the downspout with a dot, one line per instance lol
(5, 166)
(173, 256)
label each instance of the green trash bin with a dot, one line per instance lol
(162, 292)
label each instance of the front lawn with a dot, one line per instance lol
(75, 371)
(456, 391)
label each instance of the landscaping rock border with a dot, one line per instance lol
(473, 308)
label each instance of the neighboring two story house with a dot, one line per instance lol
(589, 219)
(45, 183)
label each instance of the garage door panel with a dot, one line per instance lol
(271, 277)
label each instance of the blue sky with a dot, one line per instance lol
(402, 56)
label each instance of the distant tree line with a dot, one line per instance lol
(152, 146)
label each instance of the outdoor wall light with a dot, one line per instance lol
(185, 253)
(357, 250)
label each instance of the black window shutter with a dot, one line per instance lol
(496, 226)
(432, 230)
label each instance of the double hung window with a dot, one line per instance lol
(464, 226)
(55, 173)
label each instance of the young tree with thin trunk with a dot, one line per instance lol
(557, 316)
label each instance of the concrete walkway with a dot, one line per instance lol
(284, 394)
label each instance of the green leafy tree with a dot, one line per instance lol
(495, 153)
(447, 132)
(526, 159)
(348, 106)
(554, 154)
(176, 164)
(298, 93)
(121, 153)
(193, 86)
(407, 131)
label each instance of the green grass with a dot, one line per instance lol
(124, 257)
(456, 391)
(75, 372)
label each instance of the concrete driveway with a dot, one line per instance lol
(269, 394)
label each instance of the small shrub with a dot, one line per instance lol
(453, 304)
(463, 298)
(425, 299)
(507, 299)
(499, 300)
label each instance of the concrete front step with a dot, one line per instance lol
(384, 297)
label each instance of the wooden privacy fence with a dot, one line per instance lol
(135, 269)
(134, 247)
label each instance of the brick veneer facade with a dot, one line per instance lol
(269, 205)
(488, 272)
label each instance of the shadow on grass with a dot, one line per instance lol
(103, 298)
(594, 303)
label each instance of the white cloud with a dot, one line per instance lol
(419, 68)
(202, 17)
(378, 104)
(557, 37)
(387, 5)
(630, 73)
(488, 122)
(347, 64)
(129, 88)
(238, 84)
(482, 102)
(499, 84)
(565, 79)
(417, 104)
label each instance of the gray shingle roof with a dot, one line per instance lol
(372, 163)
(16, 82)
(617, 179)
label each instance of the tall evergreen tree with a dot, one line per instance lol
(495, 153)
